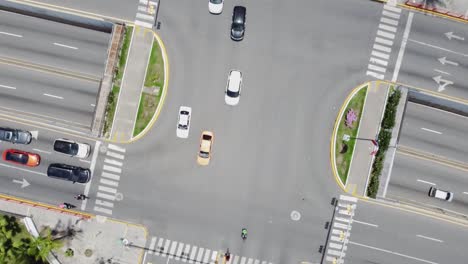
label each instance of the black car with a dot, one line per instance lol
(238, 23)
(69, 173)
(15, 136)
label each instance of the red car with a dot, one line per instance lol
(21, 157)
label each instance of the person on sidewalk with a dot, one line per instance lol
(67, 205)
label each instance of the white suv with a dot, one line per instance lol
(233, 88)
(183, 123)
(440, 194)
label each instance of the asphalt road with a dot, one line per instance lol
(396, 236)
(53, 44)
(412, 178)
(65, 101)
(41, 188)
(434, 131)
(426, 45)
(269, 151)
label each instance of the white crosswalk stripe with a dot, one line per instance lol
(383, 43)
(109, 180)
(146, 13)
(193, 254)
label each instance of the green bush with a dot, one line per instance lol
(388, 121)
(373, 186)
(384, 140)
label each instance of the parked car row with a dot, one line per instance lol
(55, 170)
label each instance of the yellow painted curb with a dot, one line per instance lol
(335, 131)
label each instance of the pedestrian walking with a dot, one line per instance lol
(69, 206)
(81, 197)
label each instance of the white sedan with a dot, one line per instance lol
(183, 124)
(233, 88)
(215, 6)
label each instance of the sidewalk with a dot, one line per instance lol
(132, 84)
(453, 8)
(102, 236)
(374, 108)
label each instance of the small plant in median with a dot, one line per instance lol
(385, 135)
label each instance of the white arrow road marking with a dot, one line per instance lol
(444, 60)
(439, 80)
(430, 130)
(24, 183)
(450, 35)
(34, 134)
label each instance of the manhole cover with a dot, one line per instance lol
(295, 215)
(119, 196)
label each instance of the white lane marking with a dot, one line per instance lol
(426, 182)
(393, 9)
(143, 24)
(376, 68)
(380, 54)
(10, 34)
(8, 87)
(346, 220)
(335, 253)
(207, 256)
(104, 203)
(375, 75)
(193, 253)
(437, 70)
(465, 192)
(382, 48)
(86, 161)
(115, 155)
(335, 246)
(42, 151)
(385, 34)
(402, 47)
(107, 189)
(145, 2)
(16, 168)
(389, 21)
(110, 176)
(158, 249)
(437, 47)
(112, 169)
(116, 148)
(173, 249)
(179, 251)
(145, 17)
(109, 182)
(378, 61)
(430, 130)
(93, 105)
(65, 46)
(390, 14)
(54, 96)
(91, 168)
(153, 243)
(430, 238)
(364, 223)
(106, 196)
(102, 210)
(341, 226)
(200, 254)
(392, 252)
(384, 41)
(113, 162)
(388, 28)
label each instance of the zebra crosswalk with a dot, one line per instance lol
(194, 254)
(109, 180)
(383, 43)
(146, 14)
(340, 230)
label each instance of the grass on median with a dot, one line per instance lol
(343, 160)
(114, 95)
(154, 78)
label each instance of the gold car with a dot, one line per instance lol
(204, 154)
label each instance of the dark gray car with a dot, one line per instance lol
(68, 173)
(238, 23)
(15, 136)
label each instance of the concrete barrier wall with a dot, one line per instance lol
(74, 20)
(420, 97)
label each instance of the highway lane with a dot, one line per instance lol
(53, 44)
(412, 177)
(396, 236)
(49, 96)
(435, 131)
(427, 45)
(269, 153)
(42, 188)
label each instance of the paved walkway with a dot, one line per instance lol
(368, 129)
(101, 235)
(456, 8)
(132, 84)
